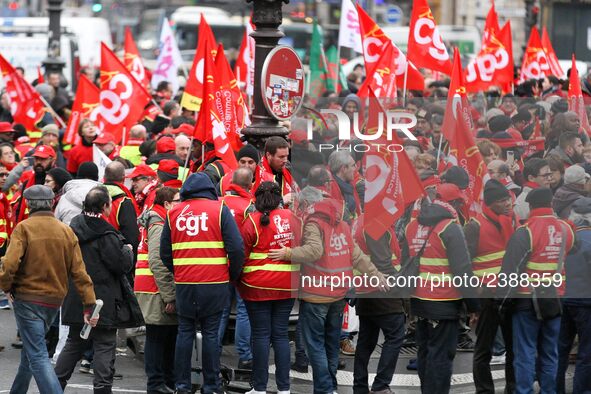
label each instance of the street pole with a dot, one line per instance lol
(53, 62)
(266, 17)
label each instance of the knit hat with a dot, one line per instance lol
(523, 115)
(60, 176)
(559, 106)
(250, 151)
(458, 176)
(499, 123)
(541, 197)
(491, 113)
(50, 129)
(575, 174)
(87, 170)
(495, 191)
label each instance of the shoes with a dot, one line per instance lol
(85, 367)
(162, 389)
(341, 365)
(498, 360)
(384, 391)
(182, 392)
(347, 347)
(412, 364)
(1, 348)
(245, 364)
(299, 368)
(4, 304)
(117, 376)
(409, 339)
(465, 344)
(18, 344)
(253, 391)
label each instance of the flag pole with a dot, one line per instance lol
(52, 112)
(336, 77)
(187, 159)
(439, 149)
(404, 85)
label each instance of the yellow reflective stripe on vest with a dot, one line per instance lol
(432, 261)
(142, 256)
(197, 245)
(143, 271)
(2, 221)
(3, 235)
(542, 266)
(272, 267)
(484, 271)
(34, 134)
(200, 261)
(489, 257)
(258, 256)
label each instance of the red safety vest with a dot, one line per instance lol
(198, 252)
(238, 204)
(546, 232)
(144, 278)
(263, 279)
(491, 249)
(337, 259)
(433, 262)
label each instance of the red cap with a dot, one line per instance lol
(449, 192)
(105, 138)
(185, 128)
(432, 180)
(142, 170)
(176, 183)
(6, 127)
(168, 166)
(298, 136)
(44, 151)
(165, 144)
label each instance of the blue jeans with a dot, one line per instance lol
(242, 329)
(33, 322)
(159, 355)
(210, 358)
(576, 320)
(321, 329)
(531, 337)
(270, 321)
(301, 359)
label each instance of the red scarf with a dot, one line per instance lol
(508, 223)
(265, 172)
(532, 185)
(240, 191)
(140, 198)
(125, 190)
(159, 210)
(9, 166)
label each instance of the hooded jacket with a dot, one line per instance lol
(565, 197)
(72, 200)
(205, 299)
(107, 261)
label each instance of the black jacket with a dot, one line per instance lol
(127, 217)
(459, 262)
(205, 299)
(565, 197)
(107, 262)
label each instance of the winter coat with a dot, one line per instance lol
(565, 197)
(107, 261)
(72, 199)
(578, 268)
(521, 207)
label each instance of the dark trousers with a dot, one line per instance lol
(576, 320)
(269, 321)
(489, 321)
(301, 359)
(104, 342)
(437, 341)
(159, 355)
(392, 325)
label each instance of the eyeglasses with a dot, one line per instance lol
(547, 175)
(177, 200)
(4, 174)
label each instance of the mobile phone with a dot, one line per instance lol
(510, 157)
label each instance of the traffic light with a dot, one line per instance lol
(97, 7)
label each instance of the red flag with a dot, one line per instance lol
(457, 129)
(491, 25)
(40, 77)
(85, 107)
(386, 195)
(26, 105)
(535, 63)
(133, 61)
(382, 81)
(122, 97)
(555, 68)
(193, 94)
(372, 39)
(575, 97)
(210, 126)
(425, 46)
(494, 63)
(244, 67)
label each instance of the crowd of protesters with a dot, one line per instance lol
(170, 237)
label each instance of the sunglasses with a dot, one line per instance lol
(4, 174)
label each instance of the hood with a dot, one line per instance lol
(433, 213)
(75, 191)
(566, 195)
(87, 228)
(198, 185)
(149, 217)
(328, 210)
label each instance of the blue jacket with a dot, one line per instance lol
(578, 269)
(205, 299)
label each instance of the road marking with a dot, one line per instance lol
(114, 389)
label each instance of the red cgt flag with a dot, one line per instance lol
(382, 81)
(85, 107)
(210, 126)
(555, 68)
(535, 63)
(194, 89)
(133, 61)
(425, 46)
(457, 129)
(386, 195)
(372, 39)
(26, 105)
(575, 97)
(122, 97)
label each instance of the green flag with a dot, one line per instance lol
(332, 59)
(318, 65)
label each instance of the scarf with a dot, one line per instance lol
(140, 198)
(532, 185)
(541, 212)
(265, 171)
(239, 191)
(506, 222)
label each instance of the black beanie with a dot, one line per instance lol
(87, 170)
(540, 198)
(499, 123)
(458, 176)
(248, 151)
(495, 191)
(60, 176)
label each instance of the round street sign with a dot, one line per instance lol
(394, 14)
(282, 82)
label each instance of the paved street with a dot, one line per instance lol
(133, 381)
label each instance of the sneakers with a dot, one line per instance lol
(347, 347)
(498, 360)
(4, 304)
(412, 364)
(465, 344)
(341, 365)
(85, 367)
(245, 364)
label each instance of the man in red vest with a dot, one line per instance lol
(144, 182)
(202, 247)
(487, 235)
(274, 168)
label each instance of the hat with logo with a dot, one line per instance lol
(44, 151)
(142, 170)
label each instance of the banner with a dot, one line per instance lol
(349, 34)
(85, 107)
(169, 59)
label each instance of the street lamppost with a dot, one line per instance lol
(53, 61)
(266, 17)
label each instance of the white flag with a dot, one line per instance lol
(101, 160)
(349, 33)
(169, 60)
